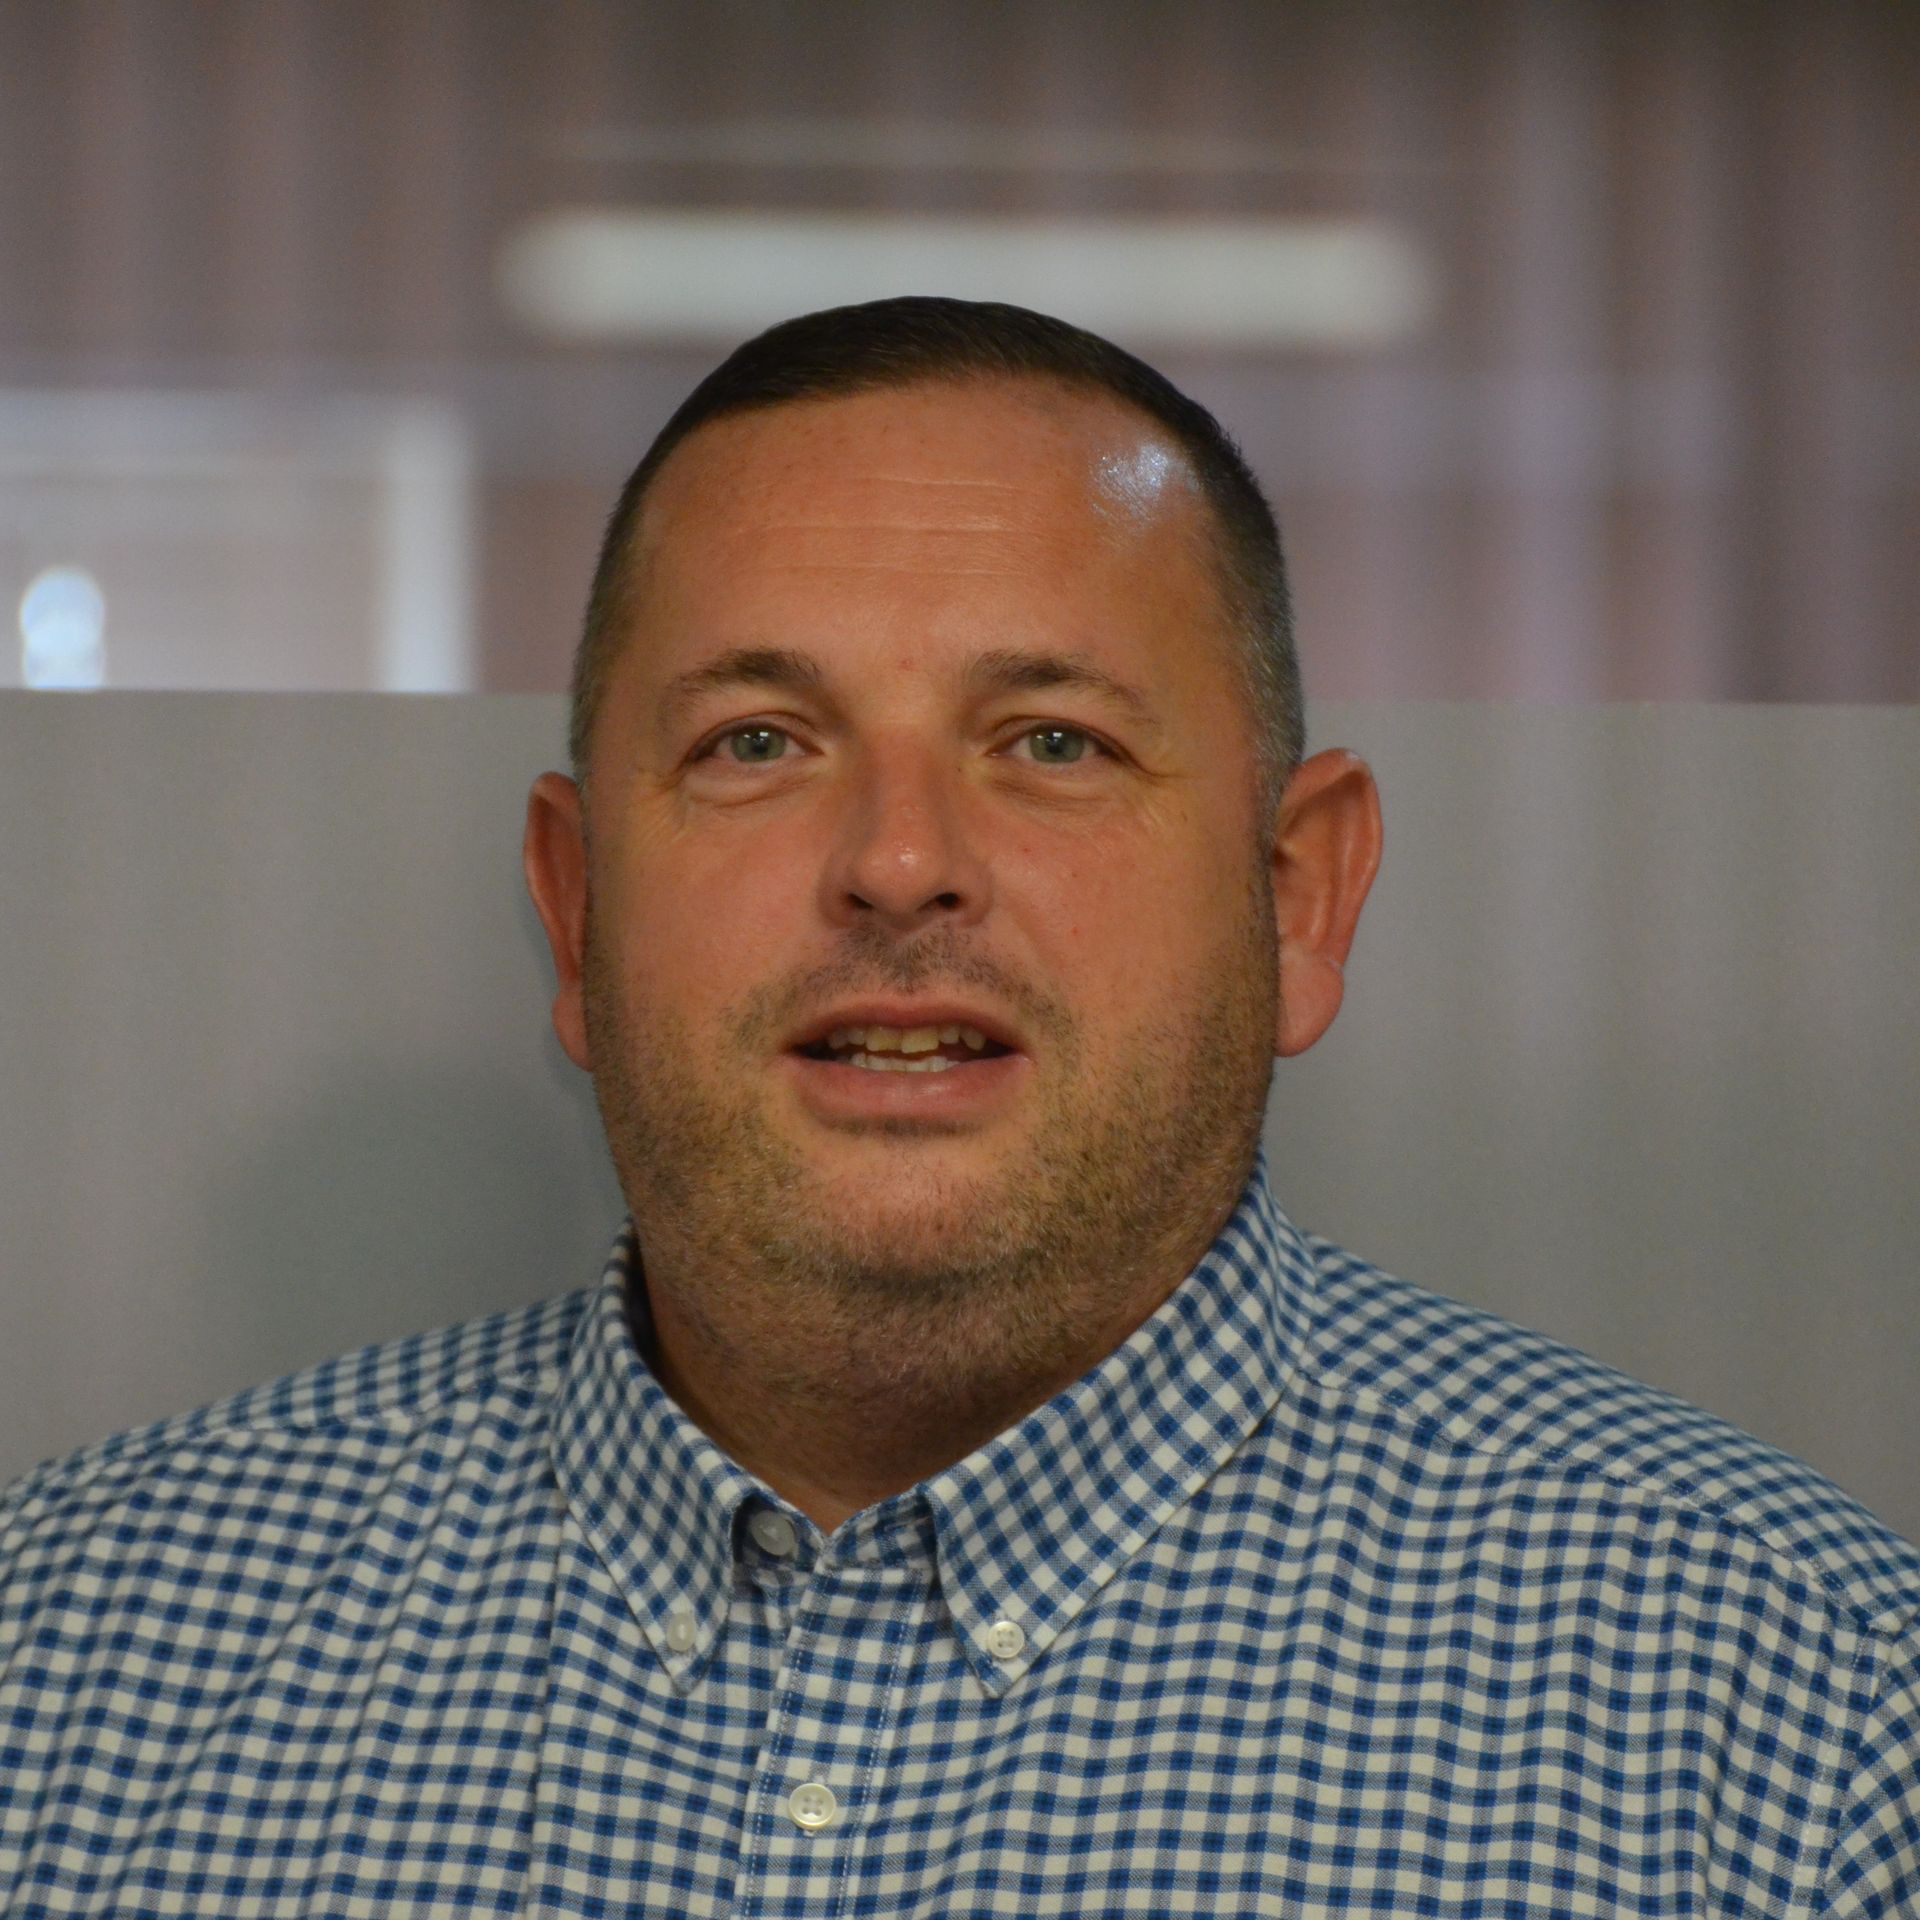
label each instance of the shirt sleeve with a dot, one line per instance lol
(1873, 1872)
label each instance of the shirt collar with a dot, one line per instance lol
(1026, 1529)
(655, 1497)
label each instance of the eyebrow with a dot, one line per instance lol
(780, 669)
(1006, 670)
(998, 670)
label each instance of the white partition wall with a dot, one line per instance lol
(1631, 1051)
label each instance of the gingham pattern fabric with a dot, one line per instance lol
(1322, 1595)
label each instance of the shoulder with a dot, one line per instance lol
(222, 1466)
(1466, 1385)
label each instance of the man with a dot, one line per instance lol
(966, 1492)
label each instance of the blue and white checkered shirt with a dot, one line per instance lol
(1320, 1595)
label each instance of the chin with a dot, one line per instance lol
(895, 1198)
(909, 1173)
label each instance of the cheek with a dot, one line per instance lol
(695, 929)
(1153, 929)
(1133, 879)
(1124, 930)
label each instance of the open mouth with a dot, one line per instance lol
(905, 1049)
(938, 1073)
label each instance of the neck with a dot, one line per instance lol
(837, 1404)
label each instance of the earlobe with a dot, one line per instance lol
(554, 855)
(1312, 990)
(1326, 852)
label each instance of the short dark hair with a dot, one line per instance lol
(922, 339)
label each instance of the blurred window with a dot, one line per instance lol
(220, 541)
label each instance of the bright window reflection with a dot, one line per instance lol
(63, 628)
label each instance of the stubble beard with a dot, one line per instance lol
(1109, 1198)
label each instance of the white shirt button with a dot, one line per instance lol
(774, 1531)
(681, 1632)
(1005, 1640)
(812, 1806)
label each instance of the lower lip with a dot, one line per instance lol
(974, 1090)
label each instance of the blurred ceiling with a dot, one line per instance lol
(1657, 436)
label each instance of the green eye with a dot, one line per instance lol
(753, 745)
(1057, 746)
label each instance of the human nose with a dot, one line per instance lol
(905, 854)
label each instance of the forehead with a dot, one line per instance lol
(1035, 466)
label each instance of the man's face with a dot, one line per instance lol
(927, 717)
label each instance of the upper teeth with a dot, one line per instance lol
(905, 1039)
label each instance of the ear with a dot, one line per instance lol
(554, 854)
(1326, 852)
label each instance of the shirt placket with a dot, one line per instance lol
(838, 1697)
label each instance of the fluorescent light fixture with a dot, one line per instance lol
(951, 146)
(643, 275)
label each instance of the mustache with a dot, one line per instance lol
(872, 961)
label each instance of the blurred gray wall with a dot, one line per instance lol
(1631, 1051)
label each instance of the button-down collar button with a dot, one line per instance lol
(774, 1531)
(1005, 1640)
(680, 1632)
(813, 1806)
